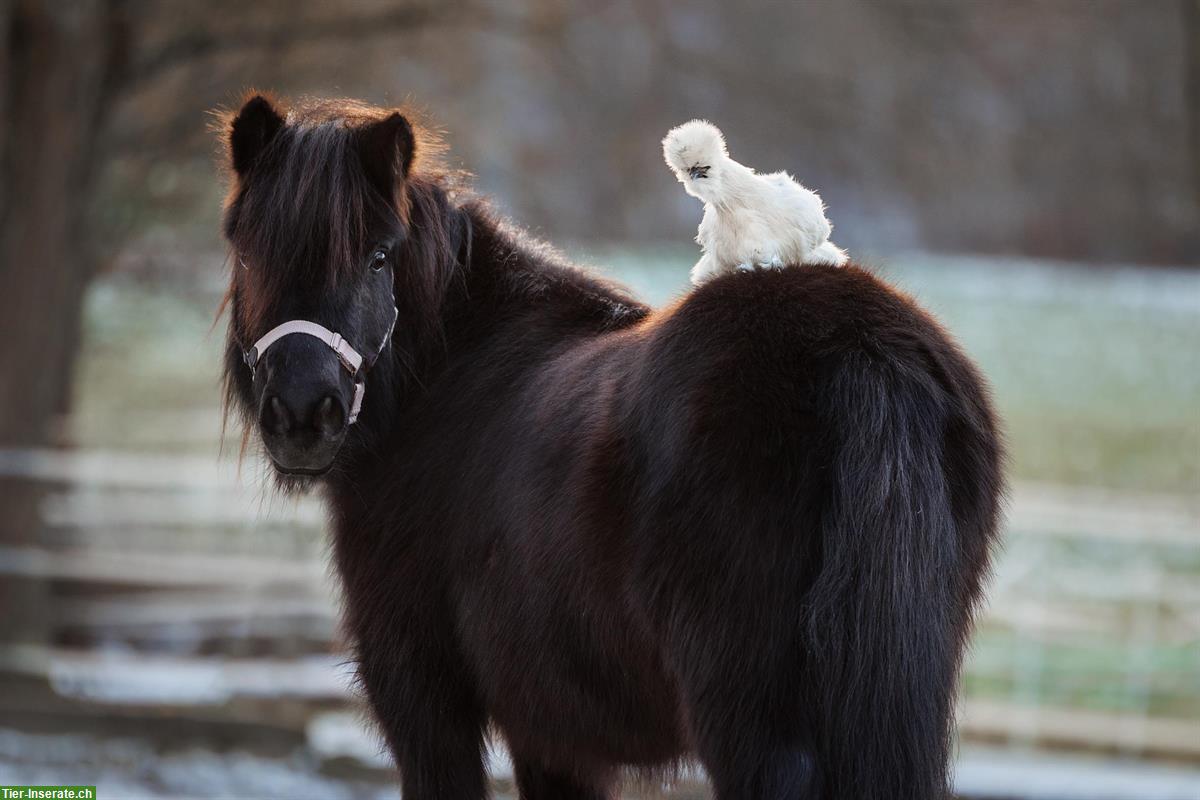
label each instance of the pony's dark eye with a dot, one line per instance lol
(379, 259)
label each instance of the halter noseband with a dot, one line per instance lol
(347, 355)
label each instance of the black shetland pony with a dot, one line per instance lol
(747, 530)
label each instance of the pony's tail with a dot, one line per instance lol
(885, 612)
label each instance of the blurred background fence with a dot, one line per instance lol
(1030, 171)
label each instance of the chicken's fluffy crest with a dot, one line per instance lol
(695, 143)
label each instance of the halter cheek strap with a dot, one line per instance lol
(350, 358)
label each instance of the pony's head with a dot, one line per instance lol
(340, 257)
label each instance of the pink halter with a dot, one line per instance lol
(350, 358)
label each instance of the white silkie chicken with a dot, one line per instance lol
(749, 219)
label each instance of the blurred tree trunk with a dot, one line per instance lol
(63, 64)
(1191, 32)
(57, 61)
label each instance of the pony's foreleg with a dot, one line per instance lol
(429, 716)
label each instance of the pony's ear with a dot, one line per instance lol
(251, 131)
(386, 149)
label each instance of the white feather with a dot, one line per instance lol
(750, 220)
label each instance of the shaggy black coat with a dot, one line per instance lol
(748, 529)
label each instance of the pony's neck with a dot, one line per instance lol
(513, 277)
(468, 279)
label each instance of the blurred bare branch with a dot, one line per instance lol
(1191, 32)
(192, 46)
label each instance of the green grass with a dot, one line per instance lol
(149, 373)
(1091, 673)
(1118, 642)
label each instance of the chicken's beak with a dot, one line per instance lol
(698, 172)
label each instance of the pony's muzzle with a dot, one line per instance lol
(327, 418)
(304, 411)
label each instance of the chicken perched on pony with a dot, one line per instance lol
(749, 219)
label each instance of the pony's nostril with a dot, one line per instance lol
(329, 418)
(275, 416)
